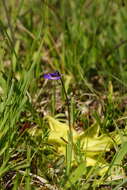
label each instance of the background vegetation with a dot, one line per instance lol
(86, 41)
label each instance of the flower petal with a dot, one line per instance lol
(52, 76)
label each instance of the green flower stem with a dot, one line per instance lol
(68, 107)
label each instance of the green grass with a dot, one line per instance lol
(86, 41)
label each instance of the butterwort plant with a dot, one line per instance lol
(57, 76)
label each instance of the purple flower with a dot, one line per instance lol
(52, 76)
